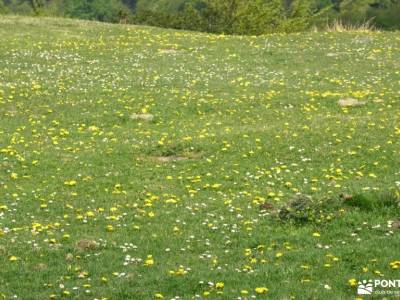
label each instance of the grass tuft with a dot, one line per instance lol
(373, 202)
(341, 26)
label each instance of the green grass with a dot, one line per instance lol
(238, 121)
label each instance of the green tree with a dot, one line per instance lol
(108, 10)
(37, 5)
(298, 15)
(19, 7)
(102, 10)
(222, 15)
(386, 14)
(259, 17)
(3, 8)
(190, 18)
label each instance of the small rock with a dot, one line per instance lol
(395, 225)
(144, 117)
(41, 267)
(351, 102)
(174, 158)
(84, 245)
(266, 206)
(170, 51)
(346, 197)
(166, 159)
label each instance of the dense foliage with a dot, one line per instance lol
(219, 16)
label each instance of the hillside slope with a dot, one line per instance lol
(134, 161)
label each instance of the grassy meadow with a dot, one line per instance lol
(145, 163)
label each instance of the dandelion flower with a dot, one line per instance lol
(261, 290)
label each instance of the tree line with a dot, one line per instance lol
(251, 17)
